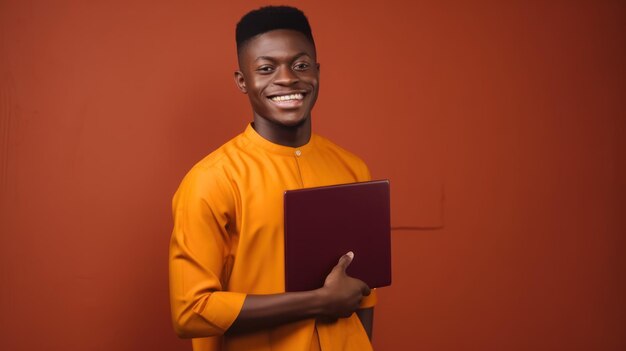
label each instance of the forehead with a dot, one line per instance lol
(277, 43)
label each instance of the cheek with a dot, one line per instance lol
(258, 101)
(315, 85)
(259, 85)
(313, 81)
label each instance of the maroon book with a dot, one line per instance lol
(324, 223)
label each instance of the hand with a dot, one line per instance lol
(341, 293)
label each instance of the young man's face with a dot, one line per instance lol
(280, 74)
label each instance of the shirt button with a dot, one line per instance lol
(298, 152)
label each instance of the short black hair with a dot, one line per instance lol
(269, 18)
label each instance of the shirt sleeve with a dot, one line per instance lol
(200, 256)
(369, 301)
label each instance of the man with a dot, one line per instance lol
(226, 255)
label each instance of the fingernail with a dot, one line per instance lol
(351, 254)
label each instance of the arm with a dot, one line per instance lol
(201, 258)
(338, 298)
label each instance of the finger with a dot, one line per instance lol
(366, 291)
(345, 260)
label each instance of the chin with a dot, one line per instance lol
(289, 122)
(292, 123)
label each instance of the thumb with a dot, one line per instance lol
(345, 260)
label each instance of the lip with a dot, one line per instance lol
(288, 104)
(279, 93)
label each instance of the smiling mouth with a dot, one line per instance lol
(288, 98)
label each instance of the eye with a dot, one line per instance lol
(301, 66)
(265, 69)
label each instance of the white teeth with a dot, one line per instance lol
(297, 96)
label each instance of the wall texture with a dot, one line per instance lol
(501, 125)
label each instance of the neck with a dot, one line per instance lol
(292, 136)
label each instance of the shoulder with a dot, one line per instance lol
(223, 156)
(211, 176)
(353, 161)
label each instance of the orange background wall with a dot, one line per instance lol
(500, 123)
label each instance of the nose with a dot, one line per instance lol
(286, 76)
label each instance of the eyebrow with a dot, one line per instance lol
(269, 58)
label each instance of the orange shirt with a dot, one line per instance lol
(227, 242)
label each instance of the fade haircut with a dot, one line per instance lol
(269, 18)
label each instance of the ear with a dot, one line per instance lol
(241, 82)
(317, 64)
